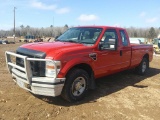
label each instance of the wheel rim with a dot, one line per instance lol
(144, 66)
(78, 86)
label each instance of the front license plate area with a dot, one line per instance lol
(20, 83)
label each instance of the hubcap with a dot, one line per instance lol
(78, 86)
(144, 67)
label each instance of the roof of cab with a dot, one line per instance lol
(104, 27)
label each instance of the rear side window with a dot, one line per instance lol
(124, 38)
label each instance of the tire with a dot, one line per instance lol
(76, 85)
(143, 67)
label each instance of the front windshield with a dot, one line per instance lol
(84, 35)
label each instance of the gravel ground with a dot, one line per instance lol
(122, 96)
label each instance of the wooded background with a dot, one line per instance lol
(52, 31)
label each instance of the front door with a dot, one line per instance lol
(108, 60)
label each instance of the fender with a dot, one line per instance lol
(73, 62)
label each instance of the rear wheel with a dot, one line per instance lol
(143, 67)
(76, 85)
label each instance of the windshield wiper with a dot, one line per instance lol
(71, 41)
(57, 40)
(87, 43)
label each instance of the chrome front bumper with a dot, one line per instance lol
(47, 86)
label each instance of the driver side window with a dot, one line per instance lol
(109, 39)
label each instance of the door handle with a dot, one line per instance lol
(120, 52)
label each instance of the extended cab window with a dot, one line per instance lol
(124, 38)
(109, 40)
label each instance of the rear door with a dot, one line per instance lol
(125, 49)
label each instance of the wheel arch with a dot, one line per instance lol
(147, 57)
(88, 69)
(145, 61)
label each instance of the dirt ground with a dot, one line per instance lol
(123, 96)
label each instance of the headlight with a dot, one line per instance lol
(52, 68)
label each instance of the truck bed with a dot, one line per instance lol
(138, 51)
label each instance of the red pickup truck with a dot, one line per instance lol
(69, 65)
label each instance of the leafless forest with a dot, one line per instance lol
(52, 31)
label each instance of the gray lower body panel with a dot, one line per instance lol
(39, 85)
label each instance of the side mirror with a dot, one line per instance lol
(108, 45)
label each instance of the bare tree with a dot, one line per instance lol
(52, 31)
(152, 33)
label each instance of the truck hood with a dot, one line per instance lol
(54, 48)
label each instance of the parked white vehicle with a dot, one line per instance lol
(136, 41)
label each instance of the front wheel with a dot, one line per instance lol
(143, 67)
(76, 85)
